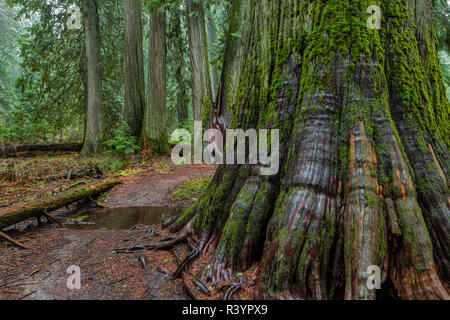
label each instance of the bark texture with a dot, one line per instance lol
(231, 69)
(134, 67)
(363, 121)
(198, 49)
(94, 118)
(211, 36)
(154, 131)
(178, 46)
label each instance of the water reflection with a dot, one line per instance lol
(122, 218)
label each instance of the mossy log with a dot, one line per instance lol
(22, 211)
(32, 150)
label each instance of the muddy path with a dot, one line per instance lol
(153, 188)
(41, 272)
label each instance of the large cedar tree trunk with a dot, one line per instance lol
(94, 119)
(154, 134)
(178, 47)
(198, 49)
(364, 138)
(134, 66)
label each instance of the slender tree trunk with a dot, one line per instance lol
(212, 42)
(154, 135)
(231, 69)
(94, 119)
(178, 53)
(363, 121)
(134, 67)
(83, 72)
(198, 49)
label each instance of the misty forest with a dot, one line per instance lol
(117, 116)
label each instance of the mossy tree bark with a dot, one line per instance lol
(94, 119)
(363, 121)
(199, 60)
(134, 67)
(154, 134)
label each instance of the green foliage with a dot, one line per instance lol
(192, 189)
(122, 143)
(52, 71)
(9, 58)
(43, 67)
(218, 12)
(441, 15)
(444, 59)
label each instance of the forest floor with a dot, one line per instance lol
(41, 271)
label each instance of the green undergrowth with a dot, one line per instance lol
(192, 189)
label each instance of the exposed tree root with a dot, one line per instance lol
(191, 257)
(172, 240)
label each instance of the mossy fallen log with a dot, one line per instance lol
(32, 150)
(23, 211)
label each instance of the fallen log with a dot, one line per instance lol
(32, 150)
(89, 171)
(35, 209)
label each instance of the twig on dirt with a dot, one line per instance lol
(27, 295)
(9, 292)
(8, 238)
(34, 272)
(143, 261)
(136, 247)
(123, 279)
(22, 284)
(162, 270)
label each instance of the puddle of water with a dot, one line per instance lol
(122, 218)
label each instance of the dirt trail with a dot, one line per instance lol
(152, 188)
(40, 273)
